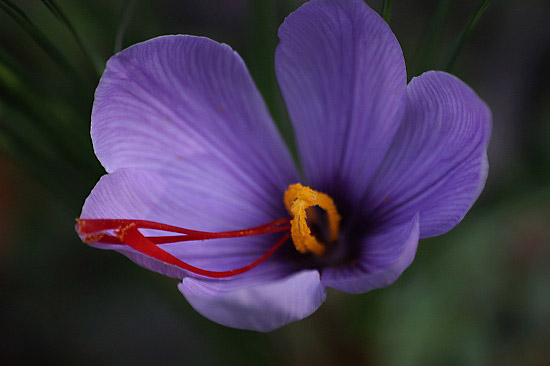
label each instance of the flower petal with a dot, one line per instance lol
(191, 195)
(261, 308)
(188, 140)
(176, 97)
(342, 75)
(437, 164)
(381, 260)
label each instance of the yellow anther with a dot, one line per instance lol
(297, 199)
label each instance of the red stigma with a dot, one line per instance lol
(126, 232)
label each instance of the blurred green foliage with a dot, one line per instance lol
(476, 296)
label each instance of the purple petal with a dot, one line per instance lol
(342, 75)
(191, 195)
(177, 97)
(437, 164)
(381, 260)
(261, 308)
(188, 140)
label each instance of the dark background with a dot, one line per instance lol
(479, 295)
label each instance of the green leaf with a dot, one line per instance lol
(19, 16)
(386, 10)
(92, 57)
(427, 53)
(44, 165)
(52, 121)
(125, 17)
(263, 42)
(466, 34)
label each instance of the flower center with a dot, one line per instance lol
(298, 199)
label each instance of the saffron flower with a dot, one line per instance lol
(202, 188)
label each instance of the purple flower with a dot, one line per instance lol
(187, 141)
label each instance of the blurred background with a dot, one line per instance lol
(479, 295)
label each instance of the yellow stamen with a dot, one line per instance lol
(297, 199)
